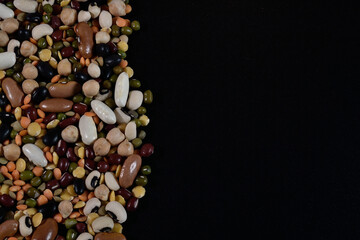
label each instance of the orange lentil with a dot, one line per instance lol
(27, 99)
(35, 63)
(20, 195)
(39, 120)
(121, 22)
(55, 78)
(11, 166)
(48, 194)
(4, 169)
(57, 173)
(113, 168)
(70, 39)
(58, 218)
(96, 119)
(81, 162)
(42, 125)
(90, 114)
(91, 195)
(18, 140)
(123, 63)
(21, 207)
(33, 41)
(24, 122)
(26, 187)
(38, 171)
(15, 174)
(48, 156)
(12, 238)
(42, 200)
(46, 149)
(23, 133)
(14, 188)
(8, 108)
(26, 106)
(40, 113)
(83, 197)
(74, 215)
(87, 62)
(8, 175)
(128, 8)
(19, 182)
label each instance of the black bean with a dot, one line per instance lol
(49, 209)
(102, 49)
(39, 94)
(81, 77)
(3, 100)
(7, 117)
(33, 17)
(23, 34)
(52, 136)
(5, 131)
(106, 72)
(112, 60)
(79, 186)
(45, 71)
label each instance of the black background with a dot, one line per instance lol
(255, 119)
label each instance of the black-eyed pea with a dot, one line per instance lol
(91, 206)
(116, 211)
(102, 224)
(25, 226)
(92, 180)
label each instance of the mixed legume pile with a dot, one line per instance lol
(72, 120)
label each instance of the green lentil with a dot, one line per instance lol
(18, 77)
(18, 67)
(142, 134)
(10, 5)
(2, 49)
(101, 135)
(46, 18)
(13, 134)
(136, 142)
(110, 102)
(148, 97)
(33, 192)
(75, 44)
(47, 175)
(26, 175)
(146, 170)
(58, 46)
(117, 70)
(30, 202)
(27, 60)
(71, 234)
(78, 98)
(106, 84)
(28, 139)
(71, 77)
(35, 182)
(135, 25)
(122, 54)
(126, 31)
(48, 8)
(42, 43)
(141, 180)
(137, 122)
(2, 178)
(134, 83)
(115, 30)
(113, 78)
(87, 100)
(72, 167)
(61, 116)
(76, 67)
(9, 72)
(141, 110)
(70, 223)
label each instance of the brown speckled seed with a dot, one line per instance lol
(12, 152)
(56, 105)
(13, 92)
(29, 85)
(101, 147)
(46, 231)
(8, 229)
(129, 170)
(29, 71)
(61, 90)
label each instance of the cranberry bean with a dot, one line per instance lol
(147, 150)
(70, 154)
(57, 35)
(75, 5)
(90, 164)
(68, 121)
(6, 200)
(67, 52)
(66, 179)
(115, 159)
(53, 185)
(31, 113)
(89, 153)
(132, 204)
(60, 148)
(102, 166)
(113, 48)
(49, 118)
(80, 227)
(80, 108)
(63, 164)
(126, 194)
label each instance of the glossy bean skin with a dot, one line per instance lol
(5, 131)
(61, 148)
(8, 228)
(39, 94)
(81, 77)
(55, 21)
(52, 136)
(46, 231)
(7, 117)
(115, 159)
(6, 201)
(3, 211)
(89, 153)
(66, 180)
(31, 113)
(90, 164)
(147, 150)
(126, 194)
(103, 166)
(23, 34)
(70, 154)
(86, 35)
(112, 60)
(79, 186)
(132, 204)
(49, 118)
(49, 209)
(53, 185)
(80, 227)
(57, 35)
(45, 71)
(102, 49)
(63, 164)
(80, 108)
(33, 17)
(68, 121)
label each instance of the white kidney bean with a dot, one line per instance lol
(6, 12)
(28, 6)
(130, 130)
(105, 19)
(103, 112)
(121, 89)
(7, 60)
(135, 100)
(121, 117)
(34, 154)
(41, 30)
(87, 129)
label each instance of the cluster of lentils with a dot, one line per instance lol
(72, 119)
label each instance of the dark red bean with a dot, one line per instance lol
(132, 204)
(31, 113)
(102, 166)
(66, 179)
(60, 238)
(75, 5)
(55, 20)
(49, 118)
(60, 148)
(57, 35)
(113, 48)
(68, 121)
(53, 185)
(6, 200)
(89, 153)
(126, 194)
(90, 164)
(63, 164)
(80, 227)
(108, 127)
(147, 150)
(67, 52)
(80, 108)
(70, 154)
(115, 159)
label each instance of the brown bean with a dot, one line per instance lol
(61, 90)
(129, 170)
(56, 105)
(46, 231)
(8, 229)
(110, 236)
(86, 35)
(13, 92)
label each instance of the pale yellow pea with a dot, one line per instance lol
(20, 165)
(18, 113)
(65, 195)
(112, 196)
(81, 152)
(91, 217)
(70, 189)
(144, 120)
(52, 124)
(55, 158)
(30, 211)
(138, 191)
(123, 46)
(120, 199)
(36, 219)
(129, 71)
(2, 74)
(79, 172)
(117, 228)
(117, 172)
(64, 3)
(40, 143)
(18, 215)
(34, 129)
(49, 40)
(102, 178)
(45, 55)
(79, 204)
(4, 189)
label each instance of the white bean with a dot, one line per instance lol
(121, 117)
(130, 130)
(102, 37)
(28, 6)
(94, 70)
(105, 19)
(7, 60)
(34, 154)
(94, 11)
(84, 16)
(135, 100)
(103, 112)
(121, 89)
(41, 30)
(6, 12)
(87, 129)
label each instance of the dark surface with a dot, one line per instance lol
(255, 120)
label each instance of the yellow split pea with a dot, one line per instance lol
(34, 129)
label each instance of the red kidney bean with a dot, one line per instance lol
(70, 154)
(63, 164)
(126, 194)
(66, 179)
(60, 148)
(49, 118)
(67, 52)
(115, 159)
(53, 185)
(31, 113)
(80, 227)
(132, 204)
(147, 150)
(57, 35)
(113, 48)
(108, 127)
(75, 5)
(89, 153)
(90, 164)
(55, 20)
(102, 166)
(6, 200)
(68, 121)
(80, 108)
